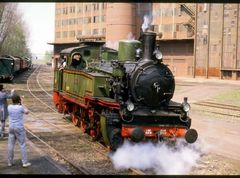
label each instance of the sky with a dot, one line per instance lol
(39, 20)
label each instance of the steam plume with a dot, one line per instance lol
(147, 20)
(159, 158)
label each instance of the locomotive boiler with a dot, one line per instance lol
(124, 94)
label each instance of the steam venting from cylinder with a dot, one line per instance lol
(148, 44)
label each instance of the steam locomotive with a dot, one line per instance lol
(125, 94)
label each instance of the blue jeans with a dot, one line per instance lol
(17, 134)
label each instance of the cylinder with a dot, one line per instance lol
(120, 23)
(127, 49)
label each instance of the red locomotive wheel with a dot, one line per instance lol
(83, 126)
(75, 119)
(59, 108)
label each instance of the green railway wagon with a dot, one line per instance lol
(6, 68)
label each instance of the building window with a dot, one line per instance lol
(58, 11)
(104, 5)
(58, 23)
(65, 11)
(87, 32)
(177, 11)
(72, 9)
(79, 20)
(95, 19)
(65, 34)
(87, 20)
(58, 35)
(103, 18)
(64, 22)
(155, 28)
(103, 31)
(95, 31)
(177, 27)
(79, 32)
(87, 8)
(72, 21)
(95, 7)
(79, 9)
(167, 27)
(167, 12)
(226, 13)
(72, 34)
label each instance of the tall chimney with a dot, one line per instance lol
(148, 44)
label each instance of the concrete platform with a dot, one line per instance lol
(41, 163)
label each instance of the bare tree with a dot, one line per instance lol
(8, 18)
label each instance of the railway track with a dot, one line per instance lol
(94, 156)
(49, 132)
(220, 108)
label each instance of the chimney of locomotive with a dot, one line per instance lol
(148, 44)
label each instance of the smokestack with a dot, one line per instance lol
(148, 44)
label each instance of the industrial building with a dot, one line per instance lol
(191, 44)
(217, 41)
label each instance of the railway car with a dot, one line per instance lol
(6, 69)
(29, 62)
(23, 63)
(125, 94)
(16, 63)
(12, 65)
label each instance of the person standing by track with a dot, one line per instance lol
(3, 108)
(16, 130)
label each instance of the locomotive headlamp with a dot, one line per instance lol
(158, 55)
(186, 105)
(130, 106)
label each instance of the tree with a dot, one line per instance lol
(13, 32)
(7, 20)
(16, 43)
(48, 57)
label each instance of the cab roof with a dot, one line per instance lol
(86, 45)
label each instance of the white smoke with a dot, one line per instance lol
(160, 157)
(112, 44)
(130, 36)
(147, 20)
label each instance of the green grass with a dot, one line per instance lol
(230, 97)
